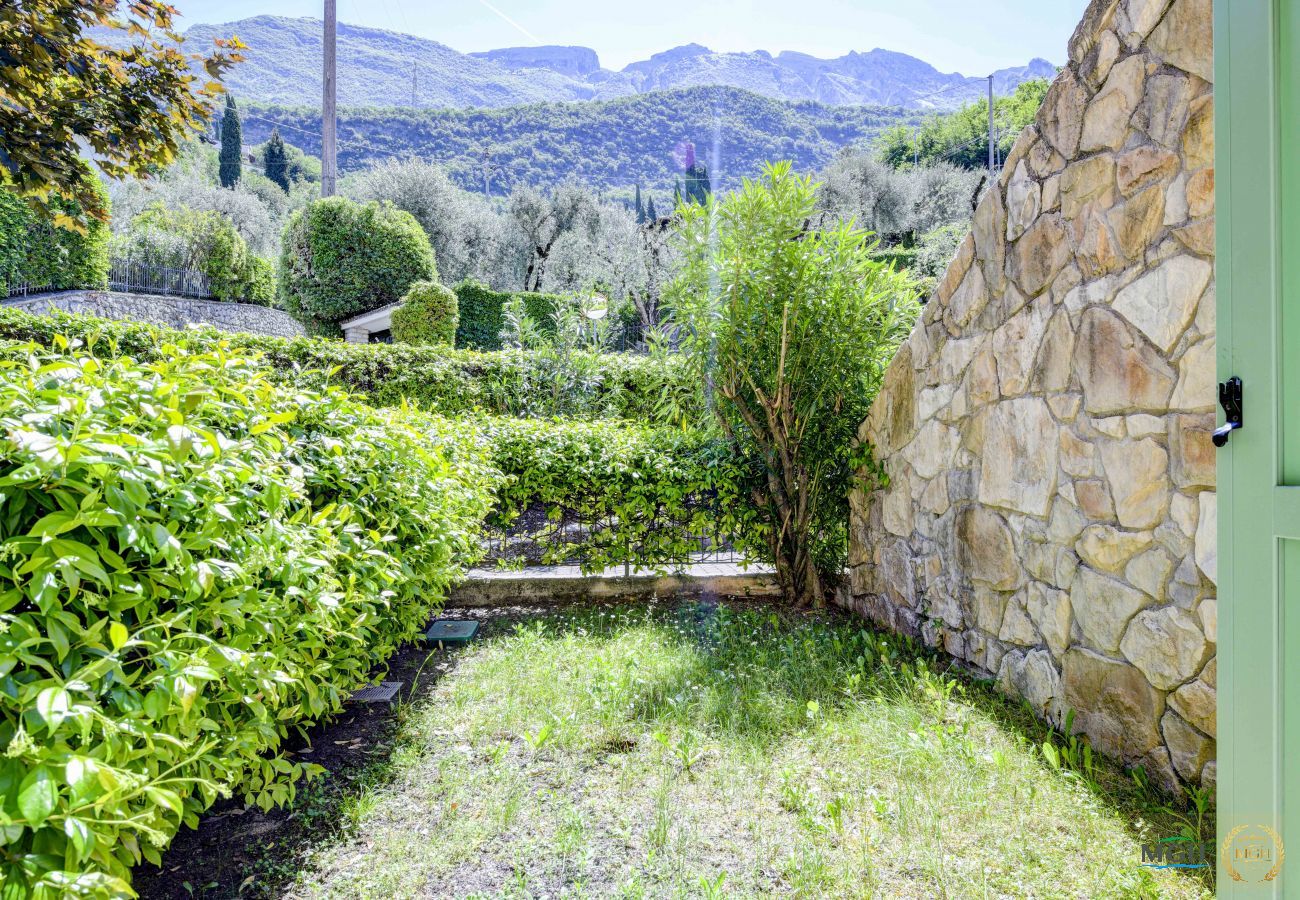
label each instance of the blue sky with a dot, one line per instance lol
(969, 36)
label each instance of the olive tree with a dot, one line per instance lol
(790, 327)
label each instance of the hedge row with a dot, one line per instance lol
(655, 491)
(37, 253)
(507, 382)
(194, 563)
(482, 317)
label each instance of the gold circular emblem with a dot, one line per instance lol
(1248, 849)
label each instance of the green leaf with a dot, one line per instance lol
(37, 796)
(53, 703)
(118, 635)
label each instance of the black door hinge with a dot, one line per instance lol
(1230, 400)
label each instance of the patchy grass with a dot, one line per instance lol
(709, 750)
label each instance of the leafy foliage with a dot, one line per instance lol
(232, 146)
(427, 315)
(196, 562)
(63, 88)
(658, 489)
(202, 240)
(935, 251)
(649, 389)
(791, 328)
(275, 161)
(961, 138)
(340, 259)
(482, 317)
(37, 252)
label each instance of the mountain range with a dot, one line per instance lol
(388, 69)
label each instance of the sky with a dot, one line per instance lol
(973, 37)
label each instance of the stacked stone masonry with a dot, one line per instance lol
(1049, 515)
(173, 312)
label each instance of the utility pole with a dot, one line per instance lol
(415, 84)
(329, 158)
(992, 140)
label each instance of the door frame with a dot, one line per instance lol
(1258, 532)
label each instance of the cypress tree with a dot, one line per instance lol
(697, 183)
(640, 210)
(276, 160)
(232, 145)
(650, 211)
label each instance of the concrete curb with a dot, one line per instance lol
(532, 587)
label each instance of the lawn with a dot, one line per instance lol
(700, 749)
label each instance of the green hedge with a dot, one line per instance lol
(481, 317)
(901, 257)
(507, 382)
(341, 259)
(428, 315)
(43, 255)
(194, 563)
(657, 489)
(203, 240)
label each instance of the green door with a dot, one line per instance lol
(1257, 102)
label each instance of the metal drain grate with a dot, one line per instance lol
(452, 631)
(384, 692)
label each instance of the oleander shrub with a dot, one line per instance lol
(340, 258)
(792, 327)
(428, 315)
(650, 389)
(195, 562)
(47, 255)
(482, 314)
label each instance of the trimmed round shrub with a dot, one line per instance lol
(341, 259)
(428, 315)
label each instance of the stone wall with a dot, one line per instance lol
(1050, 511)
(174, 312)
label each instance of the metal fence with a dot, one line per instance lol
(133, 277)
(536, 538)
(23, 288)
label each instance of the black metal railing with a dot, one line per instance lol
(538, 537)
(134, 277)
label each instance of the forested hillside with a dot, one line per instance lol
(606, 144)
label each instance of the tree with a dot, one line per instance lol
(61, 89)
(340, 259)
(962, 137)
(791, 329)
(638, 208)
(276, 160)
(696, 189)
(542, 219)
(650, 213)
(232, 145)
